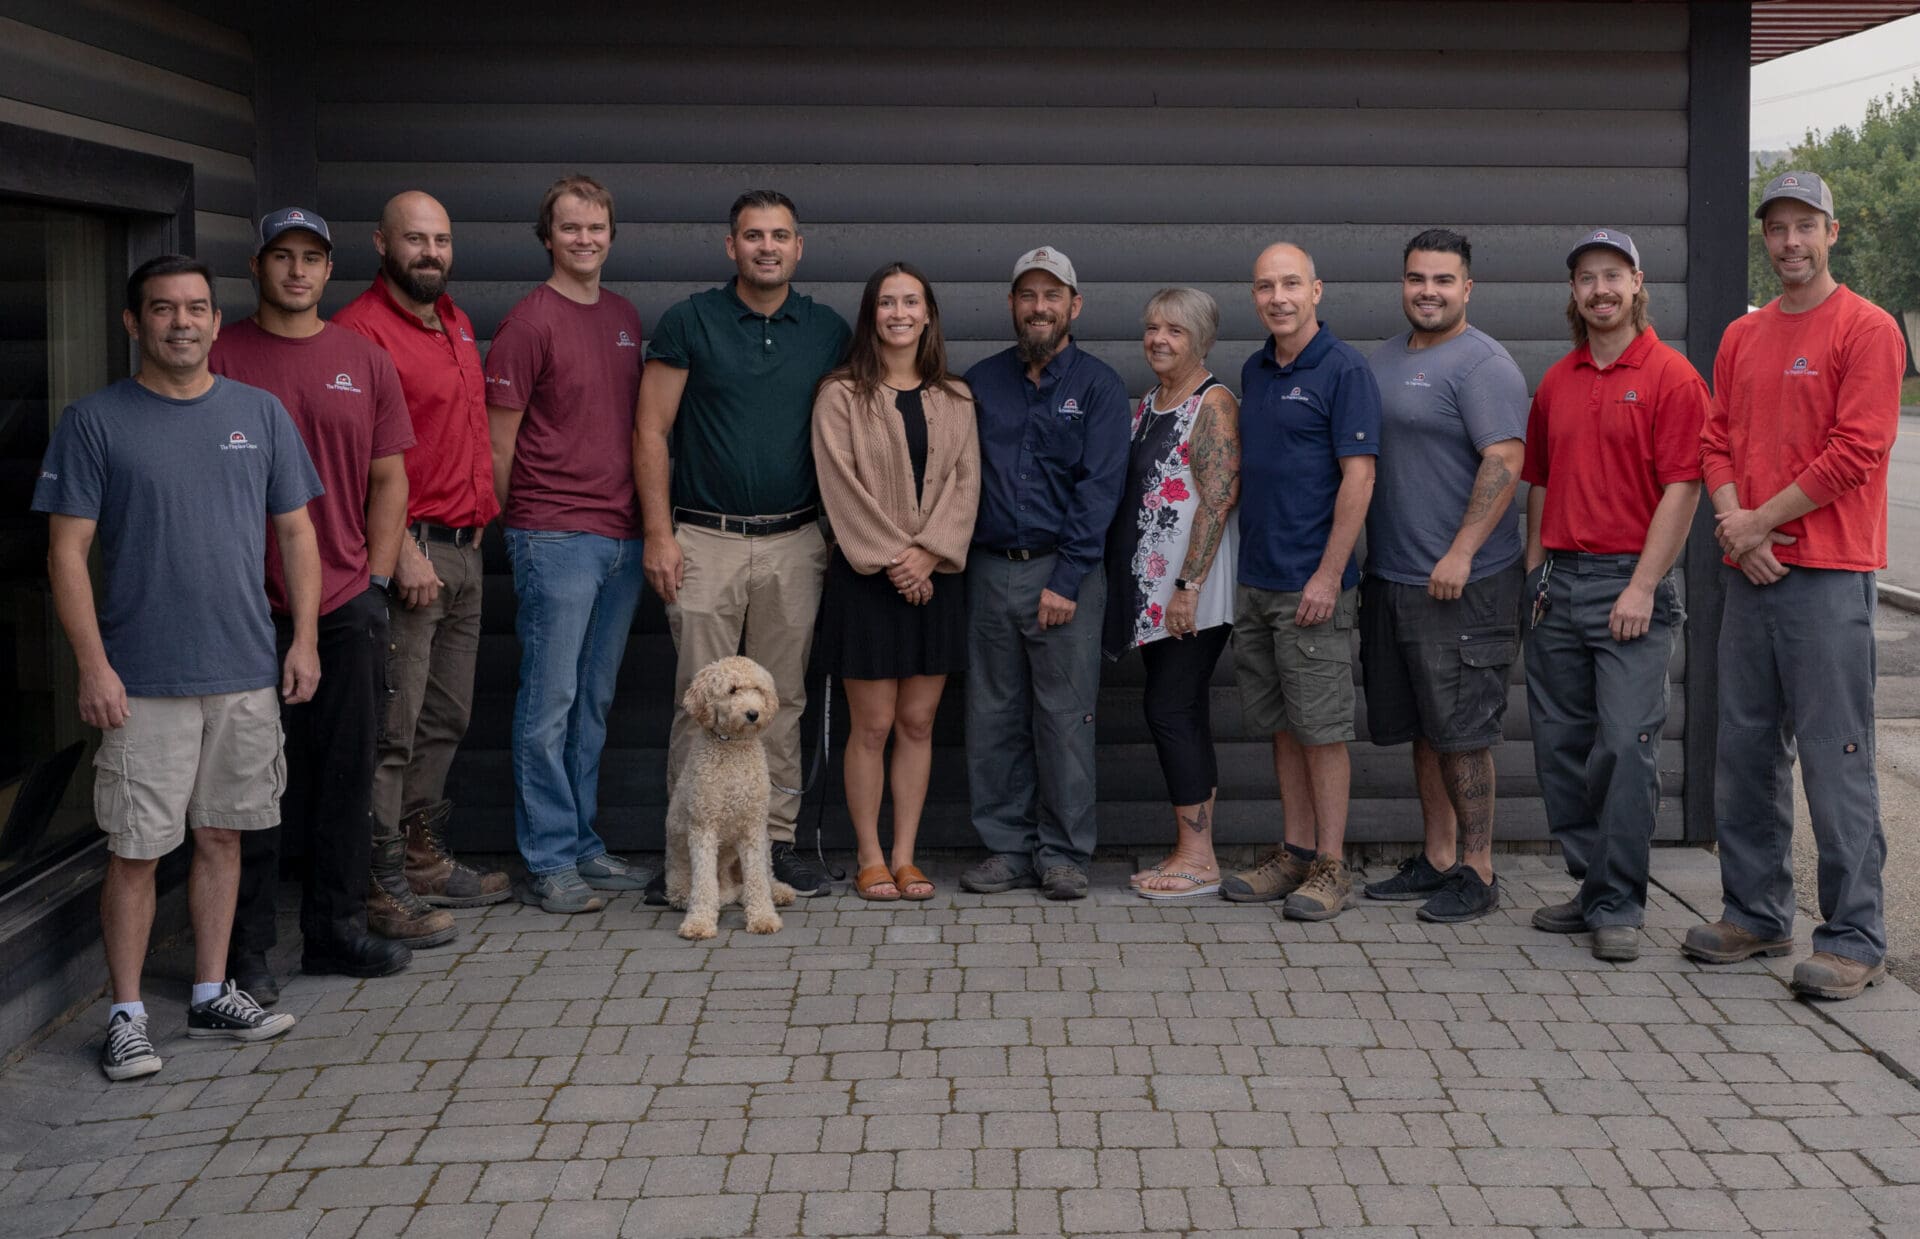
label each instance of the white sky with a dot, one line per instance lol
(1830, 85)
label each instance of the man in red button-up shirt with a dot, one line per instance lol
(436, 628)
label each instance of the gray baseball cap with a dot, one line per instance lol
(287, 219)
(1801, 187)
(1050, 260)
(1605, 238)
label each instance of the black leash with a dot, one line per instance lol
(813, 776)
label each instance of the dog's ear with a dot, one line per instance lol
(698, 702)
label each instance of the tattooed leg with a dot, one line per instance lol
(1469, 780)
(1192, 850)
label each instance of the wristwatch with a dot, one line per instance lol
(1185, 586)
(382, 583)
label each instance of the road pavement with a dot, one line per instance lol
(1903, 507)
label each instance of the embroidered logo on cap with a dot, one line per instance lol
(1789, 180)
(295, 217)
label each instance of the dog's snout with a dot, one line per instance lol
(753, 716)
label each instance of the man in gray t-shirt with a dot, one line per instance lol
(1439, 606)
(179, 474)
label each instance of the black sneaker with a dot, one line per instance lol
(128, 1054)
(251, 973)
(798, 872)
(1464, 898)
(1415, 879)
(232, 1013)
(655, 896)
(1064, 882)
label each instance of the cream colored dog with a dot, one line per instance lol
(717, 849)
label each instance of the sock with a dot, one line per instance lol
(1300, 853)
(136, 1009)
(206, 991)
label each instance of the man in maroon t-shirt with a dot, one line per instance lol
(563, 378)
(344, 396)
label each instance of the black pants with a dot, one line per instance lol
(1179, 713)
(329, 798)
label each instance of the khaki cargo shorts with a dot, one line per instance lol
(1294, 679)
(214, 761)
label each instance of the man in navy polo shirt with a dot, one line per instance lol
(1053, 425)
(1309, 432)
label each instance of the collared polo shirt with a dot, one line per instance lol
(742, 442)
(1053, 458)
(450, 466)
(1607, 443)
(1296, 422)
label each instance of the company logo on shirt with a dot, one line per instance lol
(1296, 394)
(47, 475)
(1631, 397)
(1071, 408)
(465, 336)
(343, 382)
(625, 341)
(1801, 370)
(499, 380)
(237, 442)
(1419, 379)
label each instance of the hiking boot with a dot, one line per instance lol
(996, 875)
(564, 891)
(1415, 879)
(1561, 918)
(393, 910)
(1274, 876)
(798, 872)
(1826, 975)
(1723, 942)
(355, 955)
(1619, 943)
(1464, 898)
(607, 872)
(435, 875)
(128, 1054)
(232, 1013)
(1064, 882)
(251, 973)
(1326, 892)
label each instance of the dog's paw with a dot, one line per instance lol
(768, 924)
(699, 930)
(782, 896)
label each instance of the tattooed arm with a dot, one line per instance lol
(1214, 454)
(1487, 506)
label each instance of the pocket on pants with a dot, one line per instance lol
(1481, 698)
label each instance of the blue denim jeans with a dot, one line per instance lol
(578, 594)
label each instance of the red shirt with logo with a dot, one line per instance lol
(1812, 398)
(450, 469)
(1607, 443)
(345, 399)
(575, 371)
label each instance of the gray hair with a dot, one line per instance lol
(1192, 309)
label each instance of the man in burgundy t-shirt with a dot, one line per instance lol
(563, 377)
(344, 396)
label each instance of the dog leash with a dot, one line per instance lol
(813, 776)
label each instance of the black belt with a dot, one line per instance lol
(1018, 554)
(747, 526)
(428, 532)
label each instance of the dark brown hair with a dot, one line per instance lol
(865, 369)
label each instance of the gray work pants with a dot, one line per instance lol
(1030, 705)
(1796, 672)
(1597, 707)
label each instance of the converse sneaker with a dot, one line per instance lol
(232, 1013)
(128, 1054)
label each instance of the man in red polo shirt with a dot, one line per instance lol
(437, 579)
(1613, 461)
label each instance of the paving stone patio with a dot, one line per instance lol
(1002, 1065)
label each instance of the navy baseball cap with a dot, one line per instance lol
(287, 219)
(1605, 238)
(1800, 187)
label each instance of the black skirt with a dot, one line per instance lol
(869, 632)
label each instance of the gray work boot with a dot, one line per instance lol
(1619, 943)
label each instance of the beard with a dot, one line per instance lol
(1038, 342)
(424, 283)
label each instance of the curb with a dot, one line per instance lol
(1897, 596)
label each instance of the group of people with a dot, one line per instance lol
(794, 488)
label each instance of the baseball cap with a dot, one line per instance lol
(286, 219)
(1605, 238)
(1799, 186)
(1052, 261)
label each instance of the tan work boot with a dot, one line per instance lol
(1826, 975)
(1274, 876)
(435, 875)
(393, 910)
(1723, 942)
(1325, 893)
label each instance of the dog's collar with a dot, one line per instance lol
(721, 735)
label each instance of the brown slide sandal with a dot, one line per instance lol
(908, 875)
(872, 876)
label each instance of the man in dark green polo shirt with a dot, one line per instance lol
(723, 459)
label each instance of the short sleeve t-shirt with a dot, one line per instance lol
(743, 439)
(344, 396)
(575, 372)
(180, 490)
(1441, 406)
(1296, 422)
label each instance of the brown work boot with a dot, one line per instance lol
(1826, 975)
(435, 875)
(1274, 876)
(393, 910)
(1326, 892)
(1723, 942)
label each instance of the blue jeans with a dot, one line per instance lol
(578, 594)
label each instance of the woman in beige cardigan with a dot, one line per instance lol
(899, 465)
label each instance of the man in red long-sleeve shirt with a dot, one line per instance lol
(1806, 405)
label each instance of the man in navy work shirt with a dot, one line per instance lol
(1053, 460)
(1309, 432)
